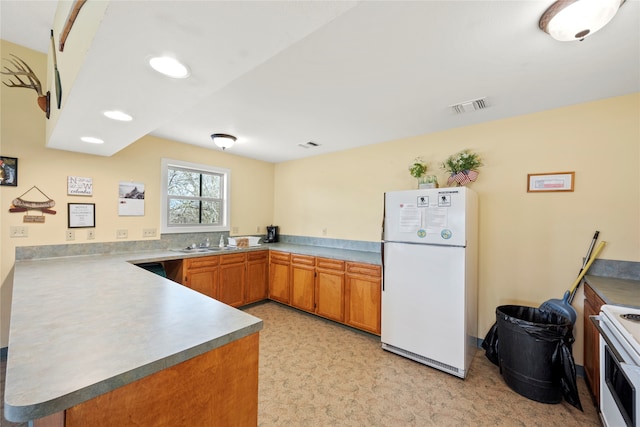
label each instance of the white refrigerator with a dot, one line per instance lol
(430, 283)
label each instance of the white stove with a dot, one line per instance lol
(619, 329)
(627, 322)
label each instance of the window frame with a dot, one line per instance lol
(193, 228)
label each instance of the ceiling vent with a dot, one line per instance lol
(468, 106)
(309, 144)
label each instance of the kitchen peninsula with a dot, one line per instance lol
(95, 340)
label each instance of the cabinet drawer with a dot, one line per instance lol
(330, 264)
(303, 260)
(257, 256)
(202, 262)
(280, 256)
(232, 258)
(591, 295)
(365, 269)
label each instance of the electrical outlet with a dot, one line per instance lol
(71, 235)
(122, 234)
(149, 232)
(324, 231)
(235, 230)
(91, 234)
(258, 229)
(18, 231)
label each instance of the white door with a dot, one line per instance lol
(423, 301)
(430, 216)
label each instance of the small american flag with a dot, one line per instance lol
(463, 178)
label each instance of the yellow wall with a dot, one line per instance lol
(531, 244)
(23, 136)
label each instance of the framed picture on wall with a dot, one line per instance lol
(81, 215)
(79, 186)
(554, 181)
(8, 171)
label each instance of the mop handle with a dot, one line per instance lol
(587, 257)
(586, 268)
(593, 242)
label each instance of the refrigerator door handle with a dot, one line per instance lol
(382, 254)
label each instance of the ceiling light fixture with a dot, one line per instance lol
(567, 20)
(169, 67)
(223, 140)
(118, 115)
(92, 140)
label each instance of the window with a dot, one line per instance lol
(194, 197)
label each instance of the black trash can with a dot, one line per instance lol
(532, 345)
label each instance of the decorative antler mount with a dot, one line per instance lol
(23, 71)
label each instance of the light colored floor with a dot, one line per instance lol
(317, 373)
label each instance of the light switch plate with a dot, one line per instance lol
(149, 232)
(91, 234)
(18, 231)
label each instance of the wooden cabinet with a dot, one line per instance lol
(235, 279)
(346, 292)
(363, 295)
(592, 304)
(279, 276)
(217, 388)
(329, 289)
(200, 274)
(232, 279)
(302, 282)
(257, 284)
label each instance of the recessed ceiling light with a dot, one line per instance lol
(169, 67)
(118, 115)
(92, 140)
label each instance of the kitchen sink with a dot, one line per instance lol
(192, 251)
(201, 250)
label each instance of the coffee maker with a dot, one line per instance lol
(272, 234)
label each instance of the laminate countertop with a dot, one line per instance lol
(83, 326)
(625, 292)
(327, 252)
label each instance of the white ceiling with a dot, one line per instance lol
(341, 74)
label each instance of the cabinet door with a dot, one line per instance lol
(201, 275)
(302, 282)
(363, 297)
(257, 285)
(330, 288)
(279, 276)
(592, 304)
(232, 279)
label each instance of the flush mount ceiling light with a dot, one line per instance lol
(223, 140)
(567, 20)
(92, 140)
(169, 67)
(118, 115)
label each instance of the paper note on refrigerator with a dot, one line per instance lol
(437, 218)
(410, 218)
